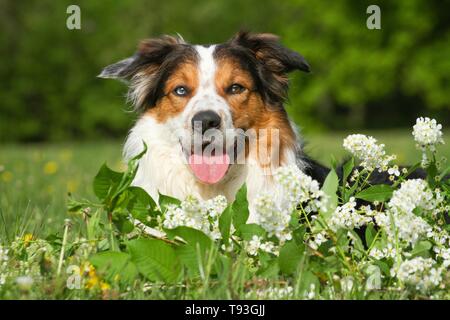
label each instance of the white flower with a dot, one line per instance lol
(24, 282)
(376, 253)
(400, 216)
(427, 133)
(412, 194)
(394, 171)
(256, 244)
(201, 215)
(273, 217)
(346, 216)
(3, 255)
(273, 211)
(318, 239)
(390, 251)
(371, 154)
(420, 273)
(298, 188)
(408, 226)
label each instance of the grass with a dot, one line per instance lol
(35, 179)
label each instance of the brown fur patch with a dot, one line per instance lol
(249, 111)
(171, 105)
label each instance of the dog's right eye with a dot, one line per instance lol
(180, 91)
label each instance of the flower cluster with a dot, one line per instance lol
(3, 264)
(389, 251)
(400, 217)
(412, 194)
(273, 217)
(372, 155)
(299, 188)
(295, 188)
(201, 215)
(348, 217)
(427, 133)
(419, 273)
(256, 243)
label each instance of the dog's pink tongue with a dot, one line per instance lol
(209, 169)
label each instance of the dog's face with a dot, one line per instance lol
(207, 96)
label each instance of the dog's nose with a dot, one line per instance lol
(207, 119)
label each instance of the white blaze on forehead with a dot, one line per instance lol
(207, 68)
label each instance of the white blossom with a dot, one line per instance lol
(420, 273)
(427, 133)
(347, 216)
(256, 243)
(201, 215)
(273, 217)
(273, 211)
(372, 155)
(412, 194)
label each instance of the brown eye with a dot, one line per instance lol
(235, 88)
(180, 91)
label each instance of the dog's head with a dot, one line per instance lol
(213, 92)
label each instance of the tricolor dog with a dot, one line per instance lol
(212, 116)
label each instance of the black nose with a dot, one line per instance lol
(207, 119)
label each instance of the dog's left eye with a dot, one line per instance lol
(180, 91)
(235, 88)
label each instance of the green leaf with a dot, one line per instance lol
(141, 205)
(165, 201)
(422, 248)
(155, 259)
(247, 231)
(290, 256)
(240, 207)
(379, 192)
(194, 254)
(74, 205)
(115, 264)
(347, 169)
(444, 174)
(384, 267)
(225, 223)
(330, 187)
(122, 222)
(357, 242)
(105, 182)
(306, 281)
(370, 234)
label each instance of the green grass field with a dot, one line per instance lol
(35, 179)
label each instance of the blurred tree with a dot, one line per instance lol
(361, 78)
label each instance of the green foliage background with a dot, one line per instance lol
(360, 78)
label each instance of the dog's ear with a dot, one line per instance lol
(267, 49)
(150, 52)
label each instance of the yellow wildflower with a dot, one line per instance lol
(7, 176)
(104, 286)
(50, 168)
(27, 239)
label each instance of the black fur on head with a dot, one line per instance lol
(267, 60)
(148, 69)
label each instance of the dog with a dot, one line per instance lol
(183, 91)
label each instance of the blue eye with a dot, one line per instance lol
(180, 91)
